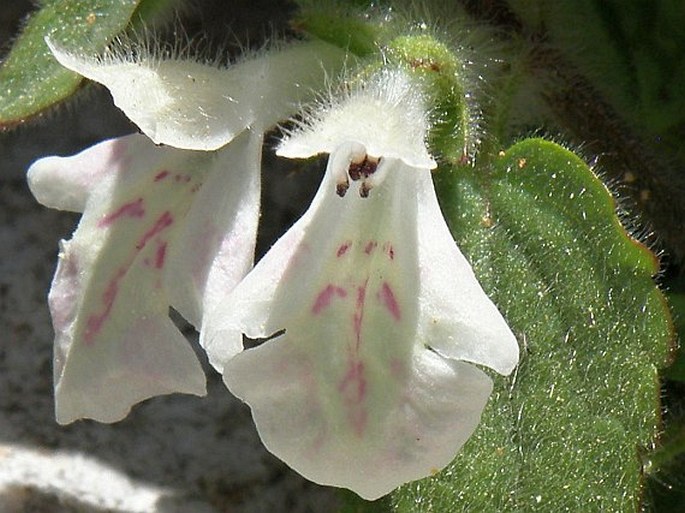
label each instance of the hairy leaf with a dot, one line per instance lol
(677, 369)
(564, 433)
(31, 80)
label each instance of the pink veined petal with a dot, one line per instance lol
(376, 406)
(411, 422)
(109, 301)
(214, 248)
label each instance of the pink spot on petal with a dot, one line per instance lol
(164, 221)
(323, 300)
(387, 297)
(370, 246)
(95, 322)
(160, 255)
(161, 175)
(343, 249)
(131, 209)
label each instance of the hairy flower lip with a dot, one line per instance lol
(382, 315)
(334, 279)
(196, 106)
(386, 115)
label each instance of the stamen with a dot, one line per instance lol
(363, 169)
(341, 187)
(380, 171)
(341, 160)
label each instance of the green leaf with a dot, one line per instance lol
(341, 24)
(151, 13)
(31, 80)
(352, 503)
(677, 369)
(665, 465)
(564, 432)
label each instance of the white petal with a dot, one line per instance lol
(65, 183)
(114, 342)
(376, 407)
(141, 355)
(190, 105)
(385, 115)
(214, 248)
(417, 420)
(458, 318)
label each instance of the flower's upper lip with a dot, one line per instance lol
(386, 116)
(194, 106)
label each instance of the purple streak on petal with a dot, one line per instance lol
(358, 315)
(387, 297)
(161, 175)
(95, 321)
(160, 255)
(131, 209)
(164, 221)
(323, 300)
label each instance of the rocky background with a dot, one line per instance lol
(172, 454)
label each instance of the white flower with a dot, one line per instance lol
(164, 224)
(378, 318)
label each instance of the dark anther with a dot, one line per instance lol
(363, 169)
(341, 188)
(364, 189)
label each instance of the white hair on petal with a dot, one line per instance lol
(385, 111)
